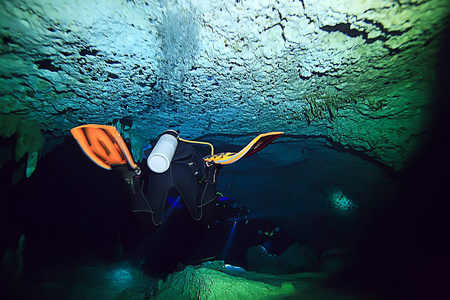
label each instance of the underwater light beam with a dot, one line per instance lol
(227, 247)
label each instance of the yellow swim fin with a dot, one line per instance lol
(256, 145)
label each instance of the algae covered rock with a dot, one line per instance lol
(205, 283)
(28, 140)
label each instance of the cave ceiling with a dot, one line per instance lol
(358, 74)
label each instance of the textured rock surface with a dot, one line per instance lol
(358, 72)
(205, 283)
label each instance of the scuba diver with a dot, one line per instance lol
(185, 174)
(175, 166)
(230, 211)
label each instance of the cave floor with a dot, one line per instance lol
(90, 277)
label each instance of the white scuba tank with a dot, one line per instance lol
(161, 156)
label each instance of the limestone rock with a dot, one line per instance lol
(28, 139)
(357, 72)
(260, 261)
(204, 283)
(297, 258)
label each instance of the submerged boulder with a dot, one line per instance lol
(260, 261)
(297, 258)
(206, 283)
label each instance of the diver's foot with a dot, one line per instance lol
(212, 172)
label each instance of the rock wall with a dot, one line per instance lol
(360, 73)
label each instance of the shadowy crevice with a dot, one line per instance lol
(47, 64)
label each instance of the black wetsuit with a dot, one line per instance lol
(182, 177)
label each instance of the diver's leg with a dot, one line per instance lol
(147, 210)
(187, 186)
(157, 192)
(207, 196)
(200, 200)
(143, 213)
(141, 208)
(131, 177)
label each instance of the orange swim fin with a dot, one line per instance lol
(256, 145)
(103, 145)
